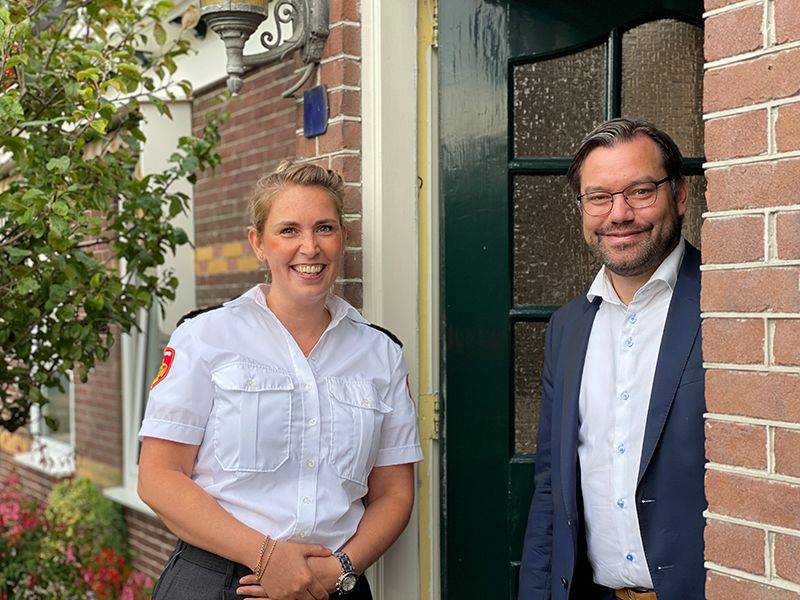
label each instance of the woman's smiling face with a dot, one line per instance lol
(302, 242)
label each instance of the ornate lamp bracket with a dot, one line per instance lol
(235, 21)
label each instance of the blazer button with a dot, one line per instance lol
(564, 582)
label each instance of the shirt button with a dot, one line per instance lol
(621, 449)
(312, 422)
(625, 395)
(306, 386)
(302, 534)
(621, 503)
(310, 464)
(251, 383)
(632, 319)
(365, 402)
(306, 500)
(629, 557)
(629, 342)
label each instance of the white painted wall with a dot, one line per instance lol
(389, 201)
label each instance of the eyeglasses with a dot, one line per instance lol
(636, 195)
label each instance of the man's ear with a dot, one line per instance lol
(682, 196)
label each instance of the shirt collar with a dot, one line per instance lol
(338, 308)
(667, 272)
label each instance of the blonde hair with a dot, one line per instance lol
(288, 174)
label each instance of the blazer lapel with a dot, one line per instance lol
(680, 330)
(574, 355)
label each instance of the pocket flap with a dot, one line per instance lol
(248, 377)
(356, 392)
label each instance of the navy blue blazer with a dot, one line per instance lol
(670, 496)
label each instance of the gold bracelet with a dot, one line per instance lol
(264, 543)
(266, 562)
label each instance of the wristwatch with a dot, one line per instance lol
(347, 580)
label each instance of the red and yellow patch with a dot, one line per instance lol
(166, 363)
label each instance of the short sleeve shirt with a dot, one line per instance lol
(286, 442)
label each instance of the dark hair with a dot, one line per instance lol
(623, 130)
(288, 174)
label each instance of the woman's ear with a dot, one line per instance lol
(255, 243)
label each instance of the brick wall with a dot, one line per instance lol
(751, 298)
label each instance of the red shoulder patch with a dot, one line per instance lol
(166, 363)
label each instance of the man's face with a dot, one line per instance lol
(631, 242)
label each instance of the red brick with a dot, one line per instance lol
(751, 290)
(759, 500)
(348, 166)
(787, 21)
(785, 347)
(344, 102)
(725, 587)
(787, 550)
(734, 32)
(306, 147)
(787, 457)
(735, 546)
(352, 265)
(343, 39)
(738, 341)
(736, 444)
(344, 135)
(743, 186)
(787, 128)
(344, 10)
(761, 79)
(736, 136)
(341, 72)
(712, 4)
(752, 394)
(354, 232)
(352, 200)
(733, 239)
(787, 235)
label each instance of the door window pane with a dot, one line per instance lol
(557, 102)
(552, 263)
(662, 80)
(697, 206)
(528, 362)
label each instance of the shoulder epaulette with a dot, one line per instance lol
(387, 333)
(197, 311)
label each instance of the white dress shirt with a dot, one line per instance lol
(614, 399)
(286, 442)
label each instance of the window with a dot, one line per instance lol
(53, 449)
(142, 350)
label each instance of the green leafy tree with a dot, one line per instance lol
(81, 237)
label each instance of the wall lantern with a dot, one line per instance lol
(236, 20)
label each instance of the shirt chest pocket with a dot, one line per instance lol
(356, 418)
(252, 417)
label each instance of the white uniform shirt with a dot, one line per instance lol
(286, 441)
(614, 399)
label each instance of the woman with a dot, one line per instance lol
(279, 435)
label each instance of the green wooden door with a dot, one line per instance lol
(520, 84)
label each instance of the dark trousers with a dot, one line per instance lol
(196, 574)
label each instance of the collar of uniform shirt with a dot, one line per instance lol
(667, 272)
(338, 308)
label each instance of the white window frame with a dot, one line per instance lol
(162, 138)
(47, 454)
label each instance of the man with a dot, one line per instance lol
(617, 510)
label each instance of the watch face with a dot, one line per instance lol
(348, 582)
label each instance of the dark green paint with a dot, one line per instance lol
(486, 488)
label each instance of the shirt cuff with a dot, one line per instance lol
(169, 430)
(398, 456)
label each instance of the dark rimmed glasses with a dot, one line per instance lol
(636, 195)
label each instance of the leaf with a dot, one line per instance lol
(160, 34)
(60, 208)
(91, 73)
(99, 125)
(17, 252)
(59, 165)
(95, 281)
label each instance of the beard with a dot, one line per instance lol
(639, 257)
